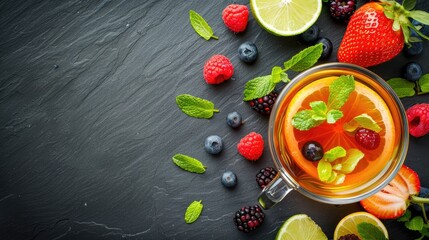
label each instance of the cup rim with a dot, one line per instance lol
(338, 200)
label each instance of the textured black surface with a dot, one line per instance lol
(89, 123)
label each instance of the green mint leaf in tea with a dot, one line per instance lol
(339, 91)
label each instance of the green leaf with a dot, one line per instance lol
(189, 164)
(303, 120)
(258, 87)
(324, 170)
(339, 178)
(402, 87)
(200, 25)
(362, 120)
(193, 211)
(369, 231)
(334, 153)
(405, 217)
(276, 74)
(420, 16)
(304, 59)
(339, 91)
(195, 107)
(424, 83)
(415, 224)
(409, 4)
(319, 108)
(333, 115)
(352, 159)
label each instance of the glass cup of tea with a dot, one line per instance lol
(329, 162)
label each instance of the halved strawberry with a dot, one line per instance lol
(392, 201)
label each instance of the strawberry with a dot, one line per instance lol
(393, 200)
(377, 32)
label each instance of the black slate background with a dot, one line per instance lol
(88, 122)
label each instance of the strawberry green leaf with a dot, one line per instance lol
(303, 120)
(409, 4)
(193, 211)
(420, 16)
(258, 87)
(352, 159)
(370, 231)
(362, 120)
(339, 91)
(415, 224)
(200, 25)
(424, 83)
(402, 87)
(333, 116)
(195, 107)
(334, 153)
(324, 170)
(304, 59)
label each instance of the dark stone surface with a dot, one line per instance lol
(89, 123)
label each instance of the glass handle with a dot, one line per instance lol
(274, 192)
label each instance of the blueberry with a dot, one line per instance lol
(229, 179)
(416, 48)
(213, 144)
(310, 35)
(423, 28)
(424, 193)
(234, 119)
(248, 52)
(412, 71)
(327, 47)
(312, 151)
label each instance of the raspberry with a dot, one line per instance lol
(265, 176)
(218, 69)
(249, 218)
(251, 146)
(265, 104)
(418, 119)
(235, 17)
(367, 138)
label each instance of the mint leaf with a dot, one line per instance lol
(339, 91)
(258, 87)
(200, 25)
(303, 120)
(352, 159)
(334, 153)
(424, 83)
(405, 217)
(362, 120)
(189, 164)
(319, 108)
(276, 74)
(333, 116)
(193, 211)
(415, 224)
(402, 87)
(324, 170)
(304, 59)
(195, 107)
(369, 231)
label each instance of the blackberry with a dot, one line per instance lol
(265, 176)
(342, 9)
(249, 218)
(264, 105)
(349, 237)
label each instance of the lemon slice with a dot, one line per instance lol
(300, 227)
(286, 17)
(348, 224)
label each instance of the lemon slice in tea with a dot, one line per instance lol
(286, 17)
(348, 225)
(300, 227)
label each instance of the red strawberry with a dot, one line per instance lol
(251, 146)
(418, 119)
(218, 69)
(235, 17)
(372, 37)
(392, 201)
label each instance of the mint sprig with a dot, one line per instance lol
(200, 25)
(404, 88)
(369, 231)
(417, 223)
(261, 86)
(193, 211)
(188, 163)
(339, 92)
(195, 106)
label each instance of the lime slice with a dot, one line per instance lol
(348, 225)
(286, 17)
(300, 227)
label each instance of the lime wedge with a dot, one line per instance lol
(300, 227)
(286, 17)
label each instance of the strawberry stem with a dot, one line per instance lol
(421, 202)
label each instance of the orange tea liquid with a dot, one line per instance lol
(368, 97)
